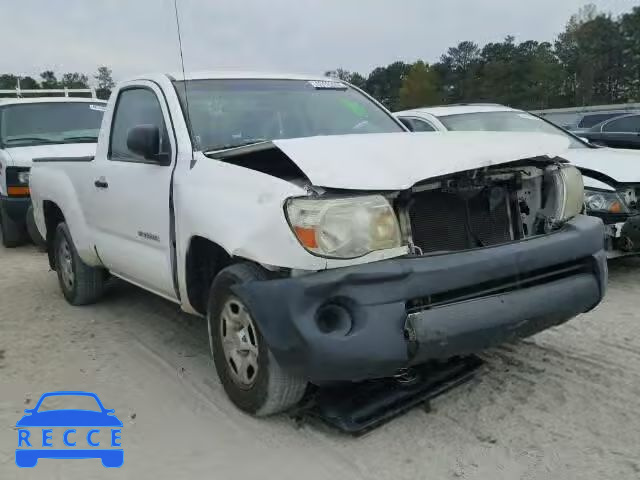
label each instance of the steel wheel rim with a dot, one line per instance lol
(239, 342)
(65, 262)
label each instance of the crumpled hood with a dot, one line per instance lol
(397, 161)
(621, 165)
(23, 156)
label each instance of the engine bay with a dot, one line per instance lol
(480, 208)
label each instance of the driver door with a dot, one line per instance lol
(132, 215)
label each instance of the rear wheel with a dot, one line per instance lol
(13, 234)
(81, 284)
(248, 371)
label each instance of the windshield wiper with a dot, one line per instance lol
(244, 143)
(29, 139)
(82, 138)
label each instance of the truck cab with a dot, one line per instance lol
(320, 240)
(43, 127)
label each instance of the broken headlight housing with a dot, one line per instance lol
(568, 192)
(600, 201)
(344, 227)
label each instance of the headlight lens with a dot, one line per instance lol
(604, 202)
(344, 227)
(23, 177)
(569, 192)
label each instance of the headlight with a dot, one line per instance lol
(569, 192)
(23, 177)
(344, 227)
(604, 202)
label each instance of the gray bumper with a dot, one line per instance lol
(367, 321)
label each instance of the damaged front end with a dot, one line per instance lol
(490, 207)
(483, 257)
(457, 212)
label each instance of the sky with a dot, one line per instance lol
(305, 36)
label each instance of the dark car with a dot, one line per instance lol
(619, 132)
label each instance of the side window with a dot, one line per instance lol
(416, 125)
(592, 120)
(626, 124)
(406, 122)
(135, 106)
(422, 126)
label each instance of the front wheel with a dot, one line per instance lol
(248, 371)
(81, 284)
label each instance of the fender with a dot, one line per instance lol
(55, 185)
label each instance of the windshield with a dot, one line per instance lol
(507, 121)
(230, 113)
(51, 122)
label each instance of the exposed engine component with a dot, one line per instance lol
(479, 210)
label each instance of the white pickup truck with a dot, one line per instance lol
(321, 241)
(39, 127)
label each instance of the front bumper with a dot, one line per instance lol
(368, 321)
(15, 208)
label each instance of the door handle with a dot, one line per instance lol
(100, 183)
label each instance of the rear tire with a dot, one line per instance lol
(81, 284)
(262, 388)
(13, 234)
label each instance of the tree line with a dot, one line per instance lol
(48, 80)
(595, 60)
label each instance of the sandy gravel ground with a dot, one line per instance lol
(562, 405)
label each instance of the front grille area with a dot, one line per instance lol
(501, 285)
(443, 221)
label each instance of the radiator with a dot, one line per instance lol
(443, 221)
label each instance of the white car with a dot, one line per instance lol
(321, 241)
(611, 176)
(51, 127)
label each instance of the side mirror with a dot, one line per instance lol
(29, 410)
(144, 140)
(585, 139)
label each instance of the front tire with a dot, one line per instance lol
(248, 371)
(81, 284)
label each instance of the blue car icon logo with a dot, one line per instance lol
(36, 429)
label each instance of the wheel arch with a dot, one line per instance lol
(52, 217)
(203, 261)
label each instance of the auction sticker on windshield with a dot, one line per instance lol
(69, 425)
(327, 85)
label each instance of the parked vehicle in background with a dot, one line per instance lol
(50, 127)
(611, 177)
(619, 132)
(588, 120)
(320, 240)
(584, 118)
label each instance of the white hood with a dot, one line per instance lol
(623, 166)
(23, 156)
(397, 161)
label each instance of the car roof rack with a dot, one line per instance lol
(37, 92)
